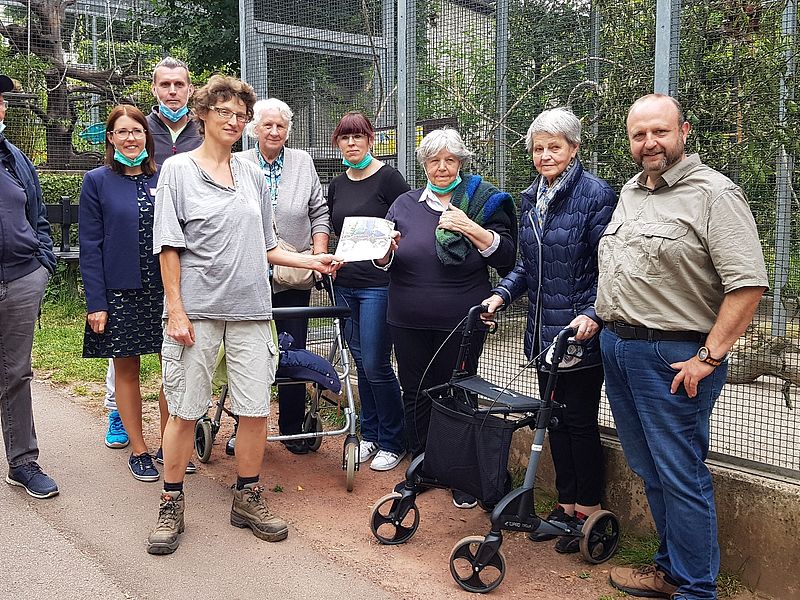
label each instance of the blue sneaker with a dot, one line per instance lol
(31, 477)
(190, 468)
(116, 436)
(142, 467)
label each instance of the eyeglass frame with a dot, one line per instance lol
(5, 104)
(241, 119)
(142, 133)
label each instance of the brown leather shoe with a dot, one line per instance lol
(645, 582)
(164, 538)
(250, 510)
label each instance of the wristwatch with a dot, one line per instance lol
(704, 355)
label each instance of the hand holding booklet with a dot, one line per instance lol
(364, 238)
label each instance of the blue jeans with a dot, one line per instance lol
(665, 440)
(367, 334)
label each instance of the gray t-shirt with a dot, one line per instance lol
(222, 234)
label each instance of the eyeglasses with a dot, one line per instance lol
(126, 133)
(357, 137)
(226, 115)
(5, 103)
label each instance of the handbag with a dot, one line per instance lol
(292, 277)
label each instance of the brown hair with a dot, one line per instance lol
(221, 88)
(129, 110)
(351, 123)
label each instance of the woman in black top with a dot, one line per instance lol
(367, 189)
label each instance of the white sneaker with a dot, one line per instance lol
(366, 450)
(386, 461)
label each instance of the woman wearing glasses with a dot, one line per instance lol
(124, 295)
(215, 239)
(367, 189)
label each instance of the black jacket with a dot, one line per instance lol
(189, 138)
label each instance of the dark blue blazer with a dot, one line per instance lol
(35, 211)
(557, 267)
(108, 231)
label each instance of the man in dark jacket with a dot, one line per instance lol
(169, 122)
(26, 262)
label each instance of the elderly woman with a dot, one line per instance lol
(215, 239)
(301, 218)
(564, 213)
(122, 279)
(447, 236)
(367, 189)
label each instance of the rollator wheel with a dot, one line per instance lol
(387, 527)
(203, 439)
(467, 575)
(350, 462)
(312, 424)
(600, 536)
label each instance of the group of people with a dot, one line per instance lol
(179, 236)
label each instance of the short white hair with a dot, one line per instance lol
(261, 107)
(445, 138)
(556, 121)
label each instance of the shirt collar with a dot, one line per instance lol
(431, 200)
(674, 174)
(278, 162)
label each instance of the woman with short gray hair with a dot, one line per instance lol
(446, 237)
(301, 219)
(564, 213)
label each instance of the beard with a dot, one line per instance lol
(670, 157)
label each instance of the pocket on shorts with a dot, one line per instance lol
(172, 370)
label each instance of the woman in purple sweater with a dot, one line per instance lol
(446, 237)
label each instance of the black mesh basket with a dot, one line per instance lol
(469, 451)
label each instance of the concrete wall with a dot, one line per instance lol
(759, 516)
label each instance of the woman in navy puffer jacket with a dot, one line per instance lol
(563, 214)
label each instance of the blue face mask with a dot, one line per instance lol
(173, 115)
(122, 159)
(445, 190)
(362, 164)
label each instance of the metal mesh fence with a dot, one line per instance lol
(488, 68)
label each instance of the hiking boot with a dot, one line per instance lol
(645, 582)
(385, 460)
(116, 436)
(567, 544)
(557, 514)
(164, 538)
(250, 510)
(31, 477)
(190, 468)
(366, 450)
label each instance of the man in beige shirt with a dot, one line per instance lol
(681, 274)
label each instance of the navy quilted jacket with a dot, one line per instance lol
(557, 266)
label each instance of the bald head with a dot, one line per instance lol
(658, 102)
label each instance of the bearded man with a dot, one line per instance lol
(681, 274)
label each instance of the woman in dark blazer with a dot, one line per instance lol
(122, 279)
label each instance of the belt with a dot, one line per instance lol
(635, 332)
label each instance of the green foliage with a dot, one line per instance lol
(207, 30)
(54, 185)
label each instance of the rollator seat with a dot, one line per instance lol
(501, 400)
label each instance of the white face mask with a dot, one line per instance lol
(2, 127)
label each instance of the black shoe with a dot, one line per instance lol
(230, 446)
(31, 477)
(557, 514)
(296, 446)
(570, 545)
(464, 500)
(159, 458)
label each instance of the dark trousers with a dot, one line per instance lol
(292, 398)
(575, 443)
(425, 360)
(19, 307)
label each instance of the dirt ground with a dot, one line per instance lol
(309, 491)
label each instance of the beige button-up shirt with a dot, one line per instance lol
(669, 255)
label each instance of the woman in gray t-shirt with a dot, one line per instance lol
(214, 236)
